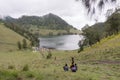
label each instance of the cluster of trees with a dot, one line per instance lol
(113, 24)
(95, 33)
(0, 20)
(24, 32)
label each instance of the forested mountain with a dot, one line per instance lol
(49, 21)
(32, 27)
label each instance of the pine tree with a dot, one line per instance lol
(19, 45)
(24, 44)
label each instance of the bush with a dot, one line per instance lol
(49, 55)
(11, 67)
(25, 68)
(30, 75)
(8, 75)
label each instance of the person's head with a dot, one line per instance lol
(75, 64)
(65, 64)
(72, 58)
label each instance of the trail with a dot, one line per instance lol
(101, 62)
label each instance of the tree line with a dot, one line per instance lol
(23, 32)
(95, 33)
(22, 45)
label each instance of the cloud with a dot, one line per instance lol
(71, 11)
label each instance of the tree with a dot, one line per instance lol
(49, 54)
(24, 44)
(93, 34)
(90, 5)
(19, 45)
(81, 45)
(113, 24)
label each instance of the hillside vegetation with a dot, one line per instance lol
(8, 39)
(98, 31)
(98, 62)
(33, 27)
(107, 49)
(50, 23)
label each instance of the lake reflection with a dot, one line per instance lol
(65, 42)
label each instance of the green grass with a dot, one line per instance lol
(99, 62)
(40, 68)
(106, 49)
(8, 39)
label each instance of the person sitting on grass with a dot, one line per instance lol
(65, 67)
(73, 67)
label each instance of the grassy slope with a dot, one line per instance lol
(8, 39)
(50, 69)
(107, 49)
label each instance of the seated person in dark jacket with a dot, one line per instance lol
(65, 67)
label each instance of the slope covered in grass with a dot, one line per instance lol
(107, 49)
(8, 39)
(99, 62)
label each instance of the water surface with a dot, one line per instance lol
(65, 42)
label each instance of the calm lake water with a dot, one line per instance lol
(65, 42)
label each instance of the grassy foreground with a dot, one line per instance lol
(99, 62)
(26, 65)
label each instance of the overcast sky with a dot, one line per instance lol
(71, 11)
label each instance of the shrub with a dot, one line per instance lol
(11, 67)
(24, 44)
(19, 45)
(49, 55)
(25, 68)
(30, 75)
(8, 75)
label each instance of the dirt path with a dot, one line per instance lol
(100, 62)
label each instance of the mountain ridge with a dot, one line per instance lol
(48, 21)
(32, 27)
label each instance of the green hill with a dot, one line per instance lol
(8, 39)
(49, 21)
(46, 25)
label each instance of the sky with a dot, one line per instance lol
(71, 11)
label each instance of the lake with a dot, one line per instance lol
(64, 42)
